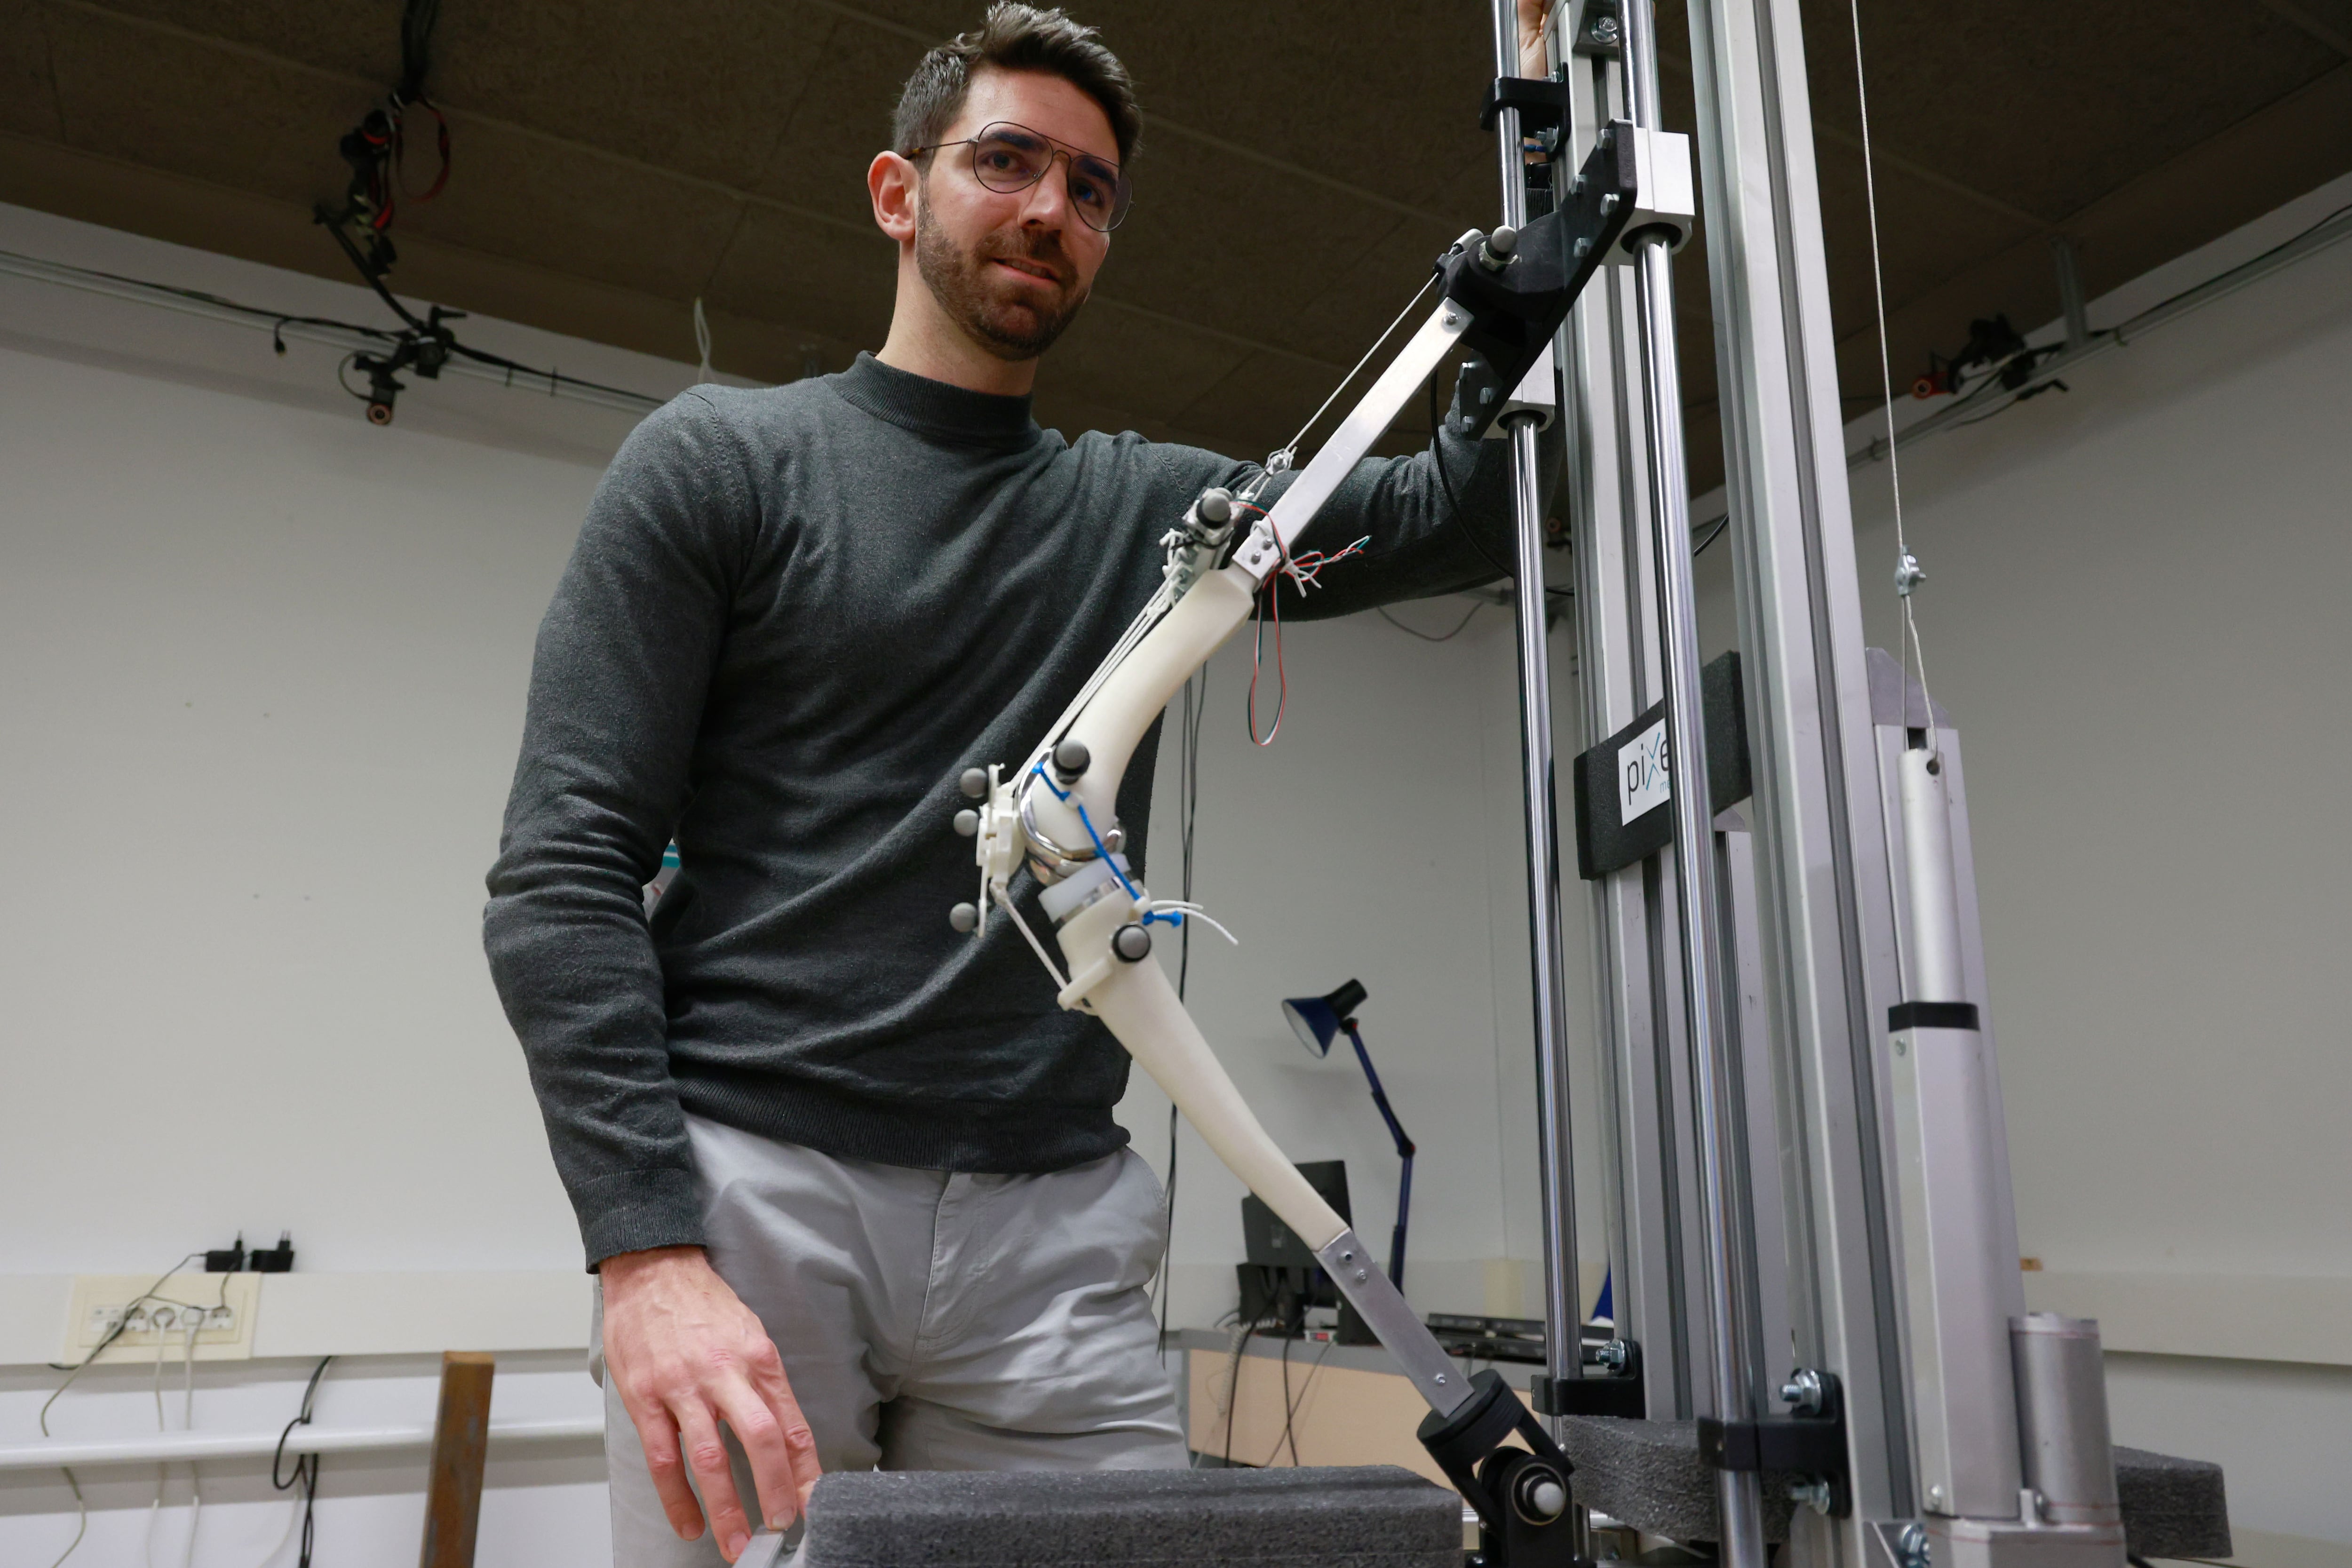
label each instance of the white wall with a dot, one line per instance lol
(264, 666)
(2134, 612)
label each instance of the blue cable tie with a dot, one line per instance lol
(1087, 822)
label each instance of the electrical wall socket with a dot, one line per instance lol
(223, 1305)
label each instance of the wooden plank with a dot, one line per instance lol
(461, 1436)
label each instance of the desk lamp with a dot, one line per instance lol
(1316, 1019)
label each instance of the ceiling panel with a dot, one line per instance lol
(704, 87)
(559, 204)
(2053, 106)
(1192, 248)
(356, 38)
(836, 126)
(28, 98)
(783, 266)
(1130, 359)
(220, 114)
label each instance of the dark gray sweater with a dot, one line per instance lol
(793, 616)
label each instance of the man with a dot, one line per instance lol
(850, 1180)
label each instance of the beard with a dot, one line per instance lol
(1010, 325)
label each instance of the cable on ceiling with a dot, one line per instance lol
(354, 338)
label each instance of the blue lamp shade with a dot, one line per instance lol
(1318, 1019)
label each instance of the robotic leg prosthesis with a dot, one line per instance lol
(1503, 296)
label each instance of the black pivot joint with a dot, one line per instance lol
(1524, 1496)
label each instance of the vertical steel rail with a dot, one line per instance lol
(1717, 1098)
(1647, 1180)
(1563, 1295)
(1822, 857)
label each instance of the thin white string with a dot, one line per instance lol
(1291, 451)
(701, 341)
(1911, 651)
(1005, 902)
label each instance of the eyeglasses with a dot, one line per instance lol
(1006, 157)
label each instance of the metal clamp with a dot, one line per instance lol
(1809, 1441)
(1543, 103)
(1619, 1393)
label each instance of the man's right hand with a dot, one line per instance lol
(687, 1355)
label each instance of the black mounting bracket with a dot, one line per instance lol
(1804, 1442)
(1543, 103)
(1617, 1393)
(1517, 300)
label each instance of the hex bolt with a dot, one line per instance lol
(965, 918)
(1810, 1491)
(1804, 1392)
(1908, 575)
(1911, 1542)
(1131, 942)
(1070, 759)
(974, 783)
(1612, 1355)
(1604, 31)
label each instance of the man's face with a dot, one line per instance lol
(1010, 268)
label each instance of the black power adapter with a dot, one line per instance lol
(278, 1259)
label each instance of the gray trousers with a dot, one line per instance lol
(929, 1320)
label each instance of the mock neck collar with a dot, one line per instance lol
(933, 407)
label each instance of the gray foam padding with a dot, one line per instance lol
(1647, 1473)
(1374, 1516)
(2172, 1508)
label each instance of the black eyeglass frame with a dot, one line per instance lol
(1122, 188)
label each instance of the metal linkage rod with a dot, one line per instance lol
(1729, 1240)
(1563, 1303)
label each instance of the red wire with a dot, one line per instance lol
(1257, 657)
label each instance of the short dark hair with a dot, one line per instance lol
(1015, 38)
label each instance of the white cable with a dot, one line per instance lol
(188, 1424)
(163, 1469)
(701, 341)
(1193, 913)
(1886, 388)
(1036, 946)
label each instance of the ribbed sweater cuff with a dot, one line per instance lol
(629, 1211)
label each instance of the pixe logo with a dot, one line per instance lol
(1642, 783)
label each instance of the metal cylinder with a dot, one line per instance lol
(1563, 1306)
(1933, 962)
(1729, 1245)
(2062, 1418)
